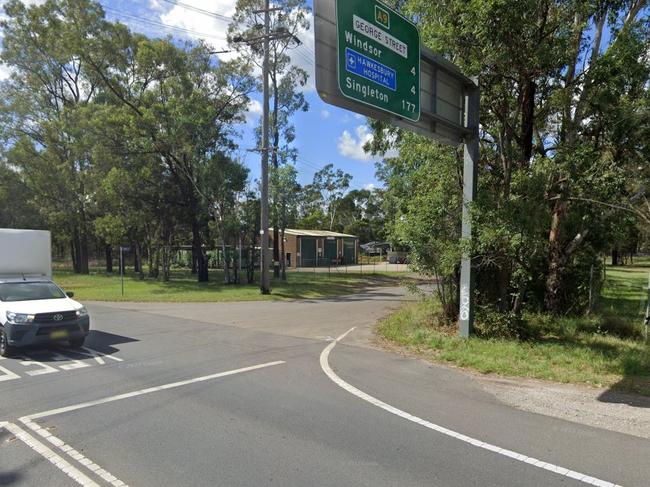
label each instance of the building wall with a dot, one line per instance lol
(293, 246)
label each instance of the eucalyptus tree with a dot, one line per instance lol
(285, 192)
(561, 84)
(44, 102)
(331, 184)
(222, 181)
(183, 106)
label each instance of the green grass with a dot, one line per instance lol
(99, 286)
(573, 350)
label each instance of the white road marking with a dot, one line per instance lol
(149, 390)
(28, 360)
(44, 368)
(324, 363)
(50, 456)
(7, 375)
(74, 454)
(74, 364)
(97, 355)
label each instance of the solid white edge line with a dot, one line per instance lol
(74, 454)
(50, 456)
(148, 390)
(324, 363)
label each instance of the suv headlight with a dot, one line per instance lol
(19, 318)
(82, 312)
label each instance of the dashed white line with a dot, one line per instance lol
(50, 456)
(149, 390)
(74, 454)
(324, 363)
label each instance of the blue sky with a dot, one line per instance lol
(325, 134)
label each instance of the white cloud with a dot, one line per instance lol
(370, 187)
(351, 145)
(325, 114)
(254, 112)
(5, 71)
(213, 30)
(358, 116)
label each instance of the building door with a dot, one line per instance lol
(330, 251)
(307, 252)
(350, 250)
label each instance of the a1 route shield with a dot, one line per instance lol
(379, 57)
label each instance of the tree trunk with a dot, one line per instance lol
(155, 270)
(283, 258)
(138, 255)
(251, 259)
(137, 264)
(616, 257)
(552, 300)
(198, 253)
(73, 253)
(528, 119)
(250, 270)
(109, 259)
(559, 258)
(226, 266)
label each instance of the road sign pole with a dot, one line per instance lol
(470, 177)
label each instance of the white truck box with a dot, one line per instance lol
(25, 252)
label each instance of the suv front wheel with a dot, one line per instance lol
(5, 349)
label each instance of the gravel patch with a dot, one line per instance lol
(601, 408)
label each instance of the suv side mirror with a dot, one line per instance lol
(69, 294)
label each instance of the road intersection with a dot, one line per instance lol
(261, 394)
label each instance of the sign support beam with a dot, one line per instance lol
(470, 178)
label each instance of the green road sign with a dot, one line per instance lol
(378, 57)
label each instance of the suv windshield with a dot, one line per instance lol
(29, 291)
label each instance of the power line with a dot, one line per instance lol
(159, 24)
(199, 10)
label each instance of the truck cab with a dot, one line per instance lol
(36, 311)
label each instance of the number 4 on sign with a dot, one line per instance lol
(413, 71)
(413, 90)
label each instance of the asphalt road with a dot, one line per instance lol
(259, 394)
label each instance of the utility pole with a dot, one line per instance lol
(265, 281)
(266, 38)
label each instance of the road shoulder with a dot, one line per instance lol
(591, 406)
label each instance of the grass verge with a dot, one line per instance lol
(570, 350)
(183, 287)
